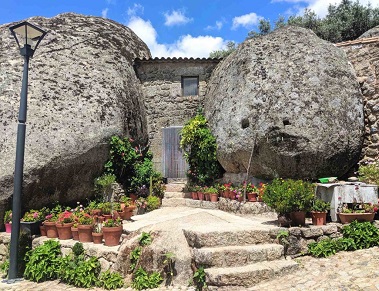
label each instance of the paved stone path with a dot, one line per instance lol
(357, 270)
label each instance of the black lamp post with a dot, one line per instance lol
(28, 38)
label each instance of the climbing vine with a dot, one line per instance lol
(199, 146)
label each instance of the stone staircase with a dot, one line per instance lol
(238, 257)
(174, 195)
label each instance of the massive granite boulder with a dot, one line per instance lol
(82, 90)
(292, 99)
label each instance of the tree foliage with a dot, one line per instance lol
(219, 54)
(345, 21)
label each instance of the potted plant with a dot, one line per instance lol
(74, 231)
(200, 193)
(64, 223)
(8, 221)
(112, 230)
(251, 192)
(213, 194)
(358, 211)
(50, 225)
(85, 222)
(106, 209)
(319, 210)
(128, 209)
(31, 222)
(97, 233)
(290, 199)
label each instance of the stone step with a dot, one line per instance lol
(170, 195)
(229, 237)
(175, 187)
(249, 275)
(173, 202)
(230, 256)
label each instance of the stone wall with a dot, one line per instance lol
(364, 56)
(165, 105)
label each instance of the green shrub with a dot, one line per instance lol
(289, 195)
(142, 280)
(356, 235)
(369, 173)
(320, 206)
(199, 147)
(110, 280)
(43, 262)
(153, 202)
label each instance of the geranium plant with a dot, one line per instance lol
(32, 216)
(113, 222)
(66, 217)
(85, 219)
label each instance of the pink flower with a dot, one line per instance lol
(35, 215)
(339, 198)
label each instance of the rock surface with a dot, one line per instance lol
(373, 32)
(292, 97)
(82, 90)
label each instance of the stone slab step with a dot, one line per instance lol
(173, 202)
(170, 195)
(175, 187)
(249, 275)
(230, 256)
(229, 237)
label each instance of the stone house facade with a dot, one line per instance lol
(363, 54)
(173, 89)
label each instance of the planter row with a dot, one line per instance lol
(82, 233)
(213, 197)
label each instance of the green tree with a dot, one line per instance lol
(230, 47)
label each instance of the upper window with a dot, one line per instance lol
(190, 86)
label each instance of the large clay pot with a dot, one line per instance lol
(297, 218)
(194, 196)
(75, 233)
(318, 218)
(64, 230)
(8, 227)
(97, 238)
(200, 195)
(112, 235)
(127, 213)
(51, 229)
(207, 197)
(85, 233)
(350, 217)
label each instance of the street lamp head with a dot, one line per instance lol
(28, 37)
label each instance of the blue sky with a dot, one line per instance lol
(174, 28)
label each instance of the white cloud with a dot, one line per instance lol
(104, 13)
(246, 20)
(135, 9)
(176, 17)
(185, 46)
(218, 25)
(320, 7)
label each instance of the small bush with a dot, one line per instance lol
(43, 262)
(142, 280)
(109, 280)
(153, 202)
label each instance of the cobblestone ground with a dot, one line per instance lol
(357, 270)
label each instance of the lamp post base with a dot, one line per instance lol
(12, 281)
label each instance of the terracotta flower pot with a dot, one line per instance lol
(318, 218)
(112, 235)
(8, 227)
(350, 217)
(194, 196)
(64, 230)
(85, 233)
(214, 197)
(128, 212)
(97, 238)
(252, 197)
(200, 195)
(75, 233)
(298, 218)
(207, 197)
(42, 229)
(51, 229)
